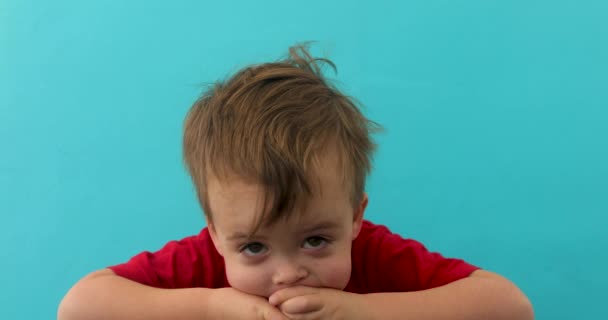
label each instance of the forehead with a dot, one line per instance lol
(237, 203)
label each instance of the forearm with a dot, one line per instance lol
(108, 296)
(467, 299)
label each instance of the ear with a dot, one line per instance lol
(358, 215)
(213, 235)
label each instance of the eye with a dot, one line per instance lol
(253, 249)
(315, 242)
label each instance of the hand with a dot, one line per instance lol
(309, 303)
(232, 304)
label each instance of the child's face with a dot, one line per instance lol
(311, 248)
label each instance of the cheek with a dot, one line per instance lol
(334, 272)
(248, 279)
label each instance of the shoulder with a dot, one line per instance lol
(194, 244)
(381, 259)
(377, 239)
(192, 261)
(374, 239)
(370, 231)
(376, 242)
(402, 264)
(368, 227)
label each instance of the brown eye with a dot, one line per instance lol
(314, 242)
(253, 249)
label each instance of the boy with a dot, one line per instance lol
(279, 159)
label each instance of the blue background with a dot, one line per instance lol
(495, 147)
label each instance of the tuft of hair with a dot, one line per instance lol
(268, 124)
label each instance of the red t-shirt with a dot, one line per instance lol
(381, 262)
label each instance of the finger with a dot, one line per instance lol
(307, 316)
(302, 304)
(272, 313)
(283, 295)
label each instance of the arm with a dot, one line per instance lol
(104, 295)
(483, 295)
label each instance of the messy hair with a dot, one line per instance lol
(269, 124)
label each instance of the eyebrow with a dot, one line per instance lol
(324, 225)
(240, 235)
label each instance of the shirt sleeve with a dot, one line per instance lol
(402, 265)
(187, 263)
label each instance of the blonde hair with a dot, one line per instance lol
(268, 123)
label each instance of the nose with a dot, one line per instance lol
(289, 273)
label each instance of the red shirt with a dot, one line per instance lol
(381, 262)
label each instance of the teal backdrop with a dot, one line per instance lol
(495, 150)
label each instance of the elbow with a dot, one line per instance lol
(77, 301)
(76, 304)
(518, 307)
(66, 308)
(515, 304)
(524, 308)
